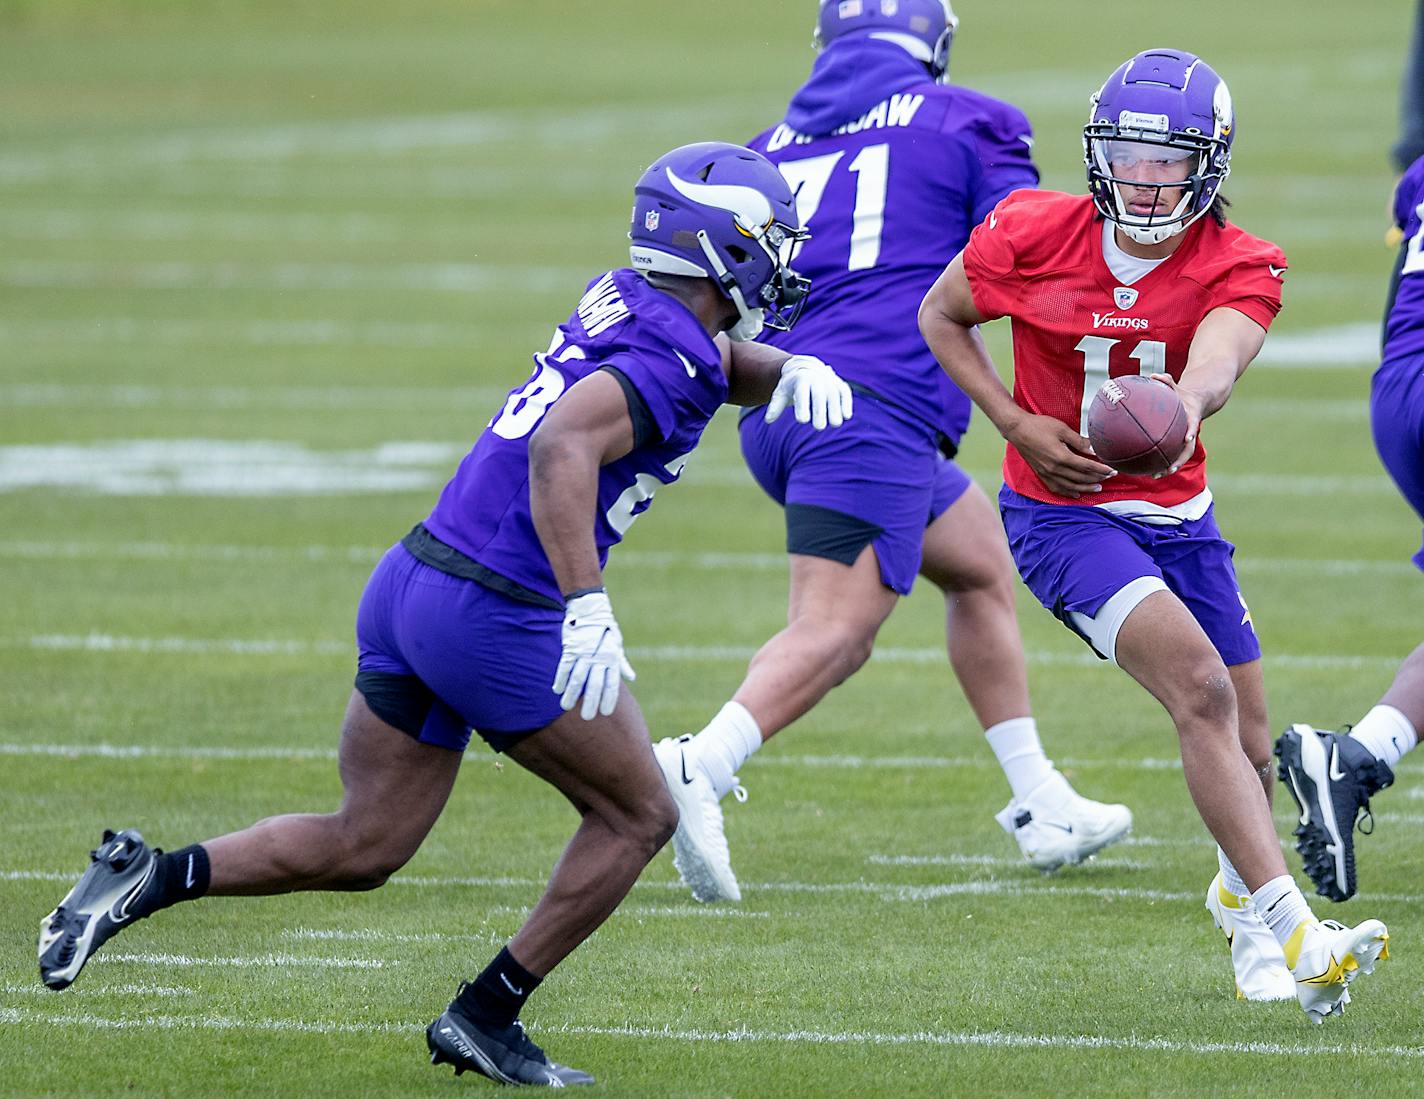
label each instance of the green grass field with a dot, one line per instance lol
(266, 269)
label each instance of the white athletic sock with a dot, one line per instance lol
(1020, 754)
(1229, 877)
(1387, 733)
(727, 742)
(1282, 906)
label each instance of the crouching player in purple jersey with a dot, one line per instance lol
(498, 594)
(1332, 775)
(892, 168)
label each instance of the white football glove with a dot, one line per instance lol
(592, 657)
(819, 395)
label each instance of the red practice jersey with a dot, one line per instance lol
(1038, 259)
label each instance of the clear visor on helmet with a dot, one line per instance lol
(1147, 160)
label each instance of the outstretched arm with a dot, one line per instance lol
(949, 321)
(1225, 343)
(760, 374)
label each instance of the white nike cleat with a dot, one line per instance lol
(1055, 826)
(1325, 957)
(1260, 964)
(699, 846)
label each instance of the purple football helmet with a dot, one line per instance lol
(924, 27)
(722, 212)
(1158, 109)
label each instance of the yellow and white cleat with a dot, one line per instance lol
(1325, 956)
(1259, 962)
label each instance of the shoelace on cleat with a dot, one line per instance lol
(738, 790)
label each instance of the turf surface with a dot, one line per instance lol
(265, 271)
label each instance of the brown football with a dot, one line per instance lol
(1136, 425)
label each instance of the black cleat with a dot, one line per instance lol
(99, 906)
(505, 1055)
(1331, 778)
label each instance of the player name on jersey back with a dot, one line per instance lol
(898, 110)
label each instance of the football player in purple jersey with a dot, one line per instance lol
(1332, 775)
(892, 168)
(491, 615)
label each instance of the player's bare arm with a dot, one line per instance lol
(1225, 343)
(587, 428)
(1058, 454)
(761, 374)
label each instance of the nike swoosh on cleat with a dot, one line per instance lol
(1295, 785)
(682, 757)
(1336, 775)
(120, 912)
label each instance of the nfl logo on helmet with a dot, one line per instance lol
(650, 221)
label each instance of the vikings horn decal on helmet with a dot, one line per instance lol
(923, 27)
(1163, 121)
(723, 212)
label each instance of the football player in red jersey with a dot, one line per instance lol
(1146, 275)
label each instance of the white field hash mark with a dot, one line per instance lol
(247, 961)
(262, 468)
(889, 892)
(629, 558)
(994, 1039)
(110, 643)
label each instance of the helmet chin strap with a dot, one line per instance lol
(750, 321)
(1153, 234)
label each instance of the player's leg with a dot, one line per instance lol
(966, 556)
(1163, 647)
(833, 614)
(1103, 576)
(856, 501)
(606, 770)
(393, 790)
(1332, 776)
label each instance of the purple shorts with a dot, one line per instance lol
(440, 655)
(1076, 558)
(877, 480)
(1397, 420)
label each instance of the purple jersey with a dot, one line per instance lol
(890, 195)
(1404, 327)
(656, 347)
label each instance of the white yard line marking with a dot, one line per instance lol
(256, 467)
(458, 278)
(626, 558)
(247, 961)
(172, 332)
(1338, 345)
(109, 643)
(98, 988)
(679, 911)
(370, 935)
(227, 398)
(994, 1039)
(890, 892)
(379, 138)
(996, 861)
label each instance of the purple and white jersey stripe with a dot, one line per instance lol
(654, 342)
